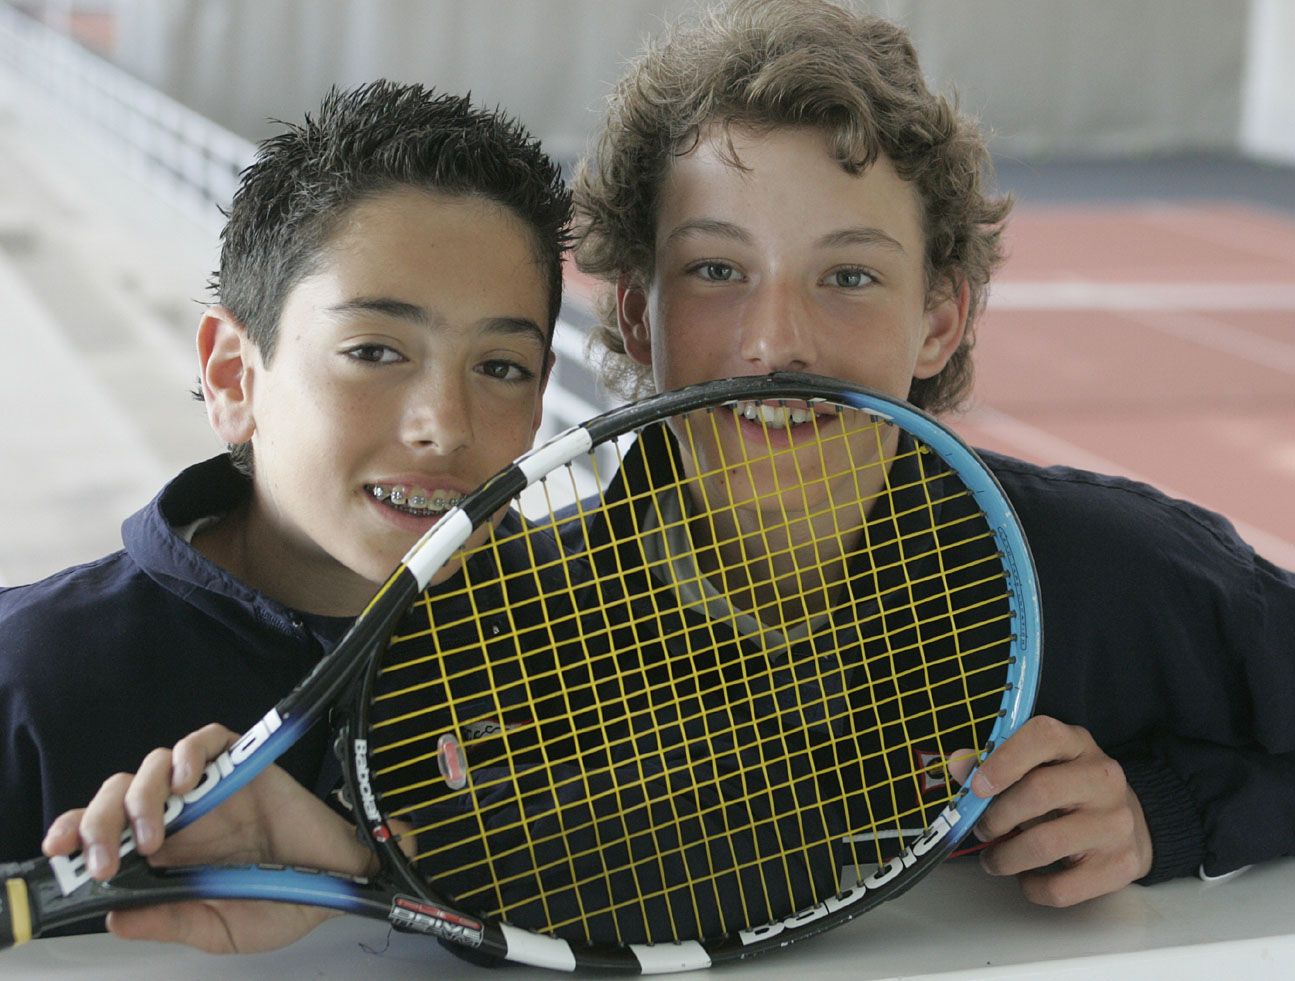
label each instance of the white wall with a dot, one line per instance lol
(550, 62)
(1268, 121)
(1049, 77)
(1090, 78)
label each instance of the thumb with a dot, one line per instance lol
(180, 923)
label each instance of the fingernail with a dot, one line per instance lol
(96, 860)
(979, 832)
(981, 787)
(182, 773)
(145, 832)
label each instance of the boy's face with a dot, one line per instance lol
(789, 264)
(409, 367)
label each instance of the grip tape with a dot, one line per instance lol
(15, 914)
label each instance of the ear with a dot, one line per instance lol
(632, 317)
(227, 358)
(945, 324)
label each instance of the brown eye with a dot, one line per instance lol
(374, 354)
(510, 371)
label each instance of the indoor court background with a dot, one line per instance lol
(1144, 323)
(1155, 340)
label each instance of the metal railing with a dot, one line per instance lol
(187, 158)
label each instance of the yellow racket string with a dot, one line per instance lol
(505, 689)
(795, 677)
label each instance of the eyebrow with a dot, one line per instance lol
(386, 306)
(862, 235)
(412, 312)
(708, 226)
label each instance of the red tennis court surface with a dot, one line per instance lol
(1155, 341)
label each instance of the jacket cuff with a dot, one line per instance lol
(1177, 835)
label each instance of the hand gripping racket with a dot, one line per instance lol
(700, 712)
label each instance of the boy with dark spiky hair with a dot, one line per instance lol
(389, 282)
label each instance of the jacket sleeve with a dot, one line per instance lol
(1215, 801)
(22, 805)
(43, 736)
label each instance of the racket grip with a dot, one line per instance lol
(15, 905)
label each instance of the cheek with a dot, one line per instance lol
(372, 405)
(506, 427)
(884, 336)
(336, 427)
(690, 329)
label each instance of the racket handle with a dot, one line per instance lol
(15, 906)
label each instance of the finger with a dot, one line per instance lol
(62, 837)
(1045, 843)
(145, 799)
(1093, 875)
(1093, 782)
(1044, 791)
(102, 824)
(960, 763)
(192, 754)
(1040, 741)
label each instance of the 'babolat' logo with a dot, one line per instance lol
(363, 781)
(70, 870)
(940, 827)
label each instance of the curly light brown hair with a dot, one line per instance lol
(763, 64)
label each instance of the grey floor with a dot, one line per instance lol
(96, 309)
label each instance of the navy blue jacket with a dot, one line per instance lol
(103, 662)
(1173, 643)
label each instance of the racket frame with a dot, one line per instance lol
(926, 852)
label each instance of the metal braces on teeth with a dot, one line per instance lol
(400, 497)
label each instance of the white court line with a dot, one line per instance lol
(1081, 294)
(1173, 309)
(1040, 444)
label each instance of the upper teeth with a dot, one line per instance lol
(416, 498)
(774, 415)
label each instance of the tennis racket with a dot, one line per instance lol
(698, 704)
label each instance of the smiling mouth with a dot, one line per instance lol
(416, 501)
(775, 416)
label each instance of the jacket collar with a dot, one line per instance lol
(152, 540)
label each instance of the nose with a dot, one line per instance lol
(776, 330)
(438, 414)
